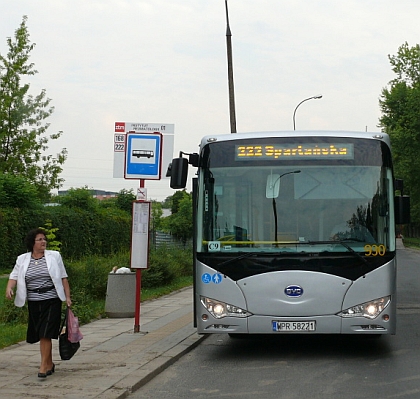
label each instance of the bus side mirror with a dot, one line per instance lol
(179, 173)
(402, 209)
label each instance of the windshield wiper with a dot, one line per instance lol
(343, 244)
(242, 256)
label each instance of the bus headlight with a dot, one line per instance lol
(370, 309)
(220, 309)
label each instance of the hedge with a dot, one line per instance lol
(81, 232)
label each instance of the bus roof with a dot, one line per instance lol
(296, 133)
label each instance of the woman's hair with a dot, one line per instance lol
(30, 238)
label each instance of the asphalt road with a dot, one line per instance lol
(292, 367)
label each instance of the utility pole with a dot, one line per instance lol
(230, 74)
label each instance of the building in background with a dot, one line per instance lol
(99, 194)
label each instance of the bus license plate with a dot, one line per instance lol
(294, 326)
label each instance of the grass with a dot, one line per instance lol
(3, 284)
(412, 242)
(9, 333)
(153, 293)
(13, 333)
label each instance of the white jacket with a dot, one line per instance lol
(55, 268)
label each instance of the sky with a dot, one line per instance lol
(157, 61)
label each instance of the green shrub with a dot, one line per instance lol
(84, 233)
(79, 198)
(81, 226)
(88, 279)
(124, 200)
(50, 231)
(14, 225)
(166, 263)
(17, 192)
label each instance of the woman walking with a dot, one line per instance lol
(41, 279)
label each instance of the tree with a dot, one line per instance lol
(176, 199)
(400, 106)
(124, 200)
(156, 215)
(23, 139)
(180, 223)
(17, 192)
(80, 198)
(167, 203)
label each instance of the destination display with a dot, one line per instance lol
(294, 151)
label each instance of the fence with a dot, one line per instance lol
(159, 238)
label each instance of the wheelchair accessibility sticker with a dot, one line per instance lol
(207, 278)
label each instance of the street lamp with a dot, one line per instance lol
(297, 106)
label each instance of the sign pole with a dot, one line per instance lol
(138, 290)
(137, 312)
(139, 149)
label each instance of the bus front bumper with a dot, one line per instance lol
(330, 324)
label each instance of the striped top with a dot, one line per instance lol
(38, 277)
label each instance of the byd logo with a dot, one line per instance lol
(293, 291)
(120, 126)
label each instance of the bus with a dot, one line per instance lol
(294, 233)
(143, 153)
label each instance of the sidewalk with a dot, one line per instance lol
(112, 361)
(399, 244)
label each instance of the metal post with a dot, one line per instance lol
(138, 290)
(230, 74)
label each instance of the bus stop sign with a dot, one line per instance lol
(143, 156)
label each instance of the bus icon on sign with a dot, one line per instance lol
(143, 153)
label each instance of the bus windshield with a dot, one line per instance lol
(303, 195)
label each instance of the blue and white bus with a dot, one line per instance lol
(294, 233)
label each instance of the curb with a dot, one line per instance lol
(146, 373)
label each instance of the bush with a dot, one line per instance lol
(89, 277)
(79, 198)
(17, 192)
(166, 263)
(14, 225)
(84, 233)
(124, 200)
(88, 280)
(82, 226)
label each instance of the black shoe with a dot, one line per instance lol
(49, 372)
(42, 375)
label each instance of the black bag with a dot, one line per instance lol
(66, 348)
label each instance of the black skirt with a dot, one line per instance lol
(44, 319)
